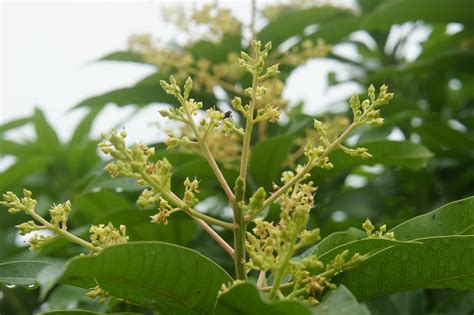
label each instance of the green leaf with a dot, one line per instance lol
(246, 299)
(14, 124)
(139, 95)
(338, 238)
(82, 130)
(440, 262)
(161, 276)
(431, 11)
(179, 230)
(404, 154)
(13, 148)
(24, 273)
(123, 56)
(437, 254)
(293, 22)
(439, 136)
(454, 218)
(16, 173)
(341, 302)
(266, 161)
(47, 138)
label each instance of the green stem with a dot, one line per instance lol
(248, 129)
(207, 153)
(307, 168)
(239, 233)
(281, 271)
(177, 202)
(71, 237)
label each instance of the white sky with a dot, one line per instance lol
(48, 49)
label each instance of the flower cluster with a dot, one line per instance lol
(97, 292)
(304, 51)
(272, 247)
(215, 21)
(105, 235)
(381, 233)
(101, 236)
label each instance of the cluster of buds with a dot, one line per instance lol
(134, 161)
(381, 233)
(272, 247)
(101, 235)
(60, 214)
(258, 92)
(256, 65)
(106, 235)
(16, 205)
(97, 292)
(26, 204)
(190, 190)
(367, 112)
(205, 131)
(219, 20)
(306, 50)
(174, 141)
(165, 210)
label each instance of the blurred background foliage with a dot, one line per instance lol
(430, 164)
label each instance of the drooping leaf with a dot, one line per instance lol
(246, 299)
(161, 276)
(341, 302)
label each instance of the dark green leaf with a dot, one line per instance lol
(24, 273)
(455, 218)
(293, 23)
(341, 302)
(161, 276)
(246, 299)
(440, 262)
(267, 159)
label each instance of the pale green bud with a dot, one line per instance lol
(256, 201)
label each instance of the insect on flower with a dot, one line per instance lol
(228, 114)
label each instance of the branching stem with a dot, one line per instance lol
(64, 233)
(207, 153)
